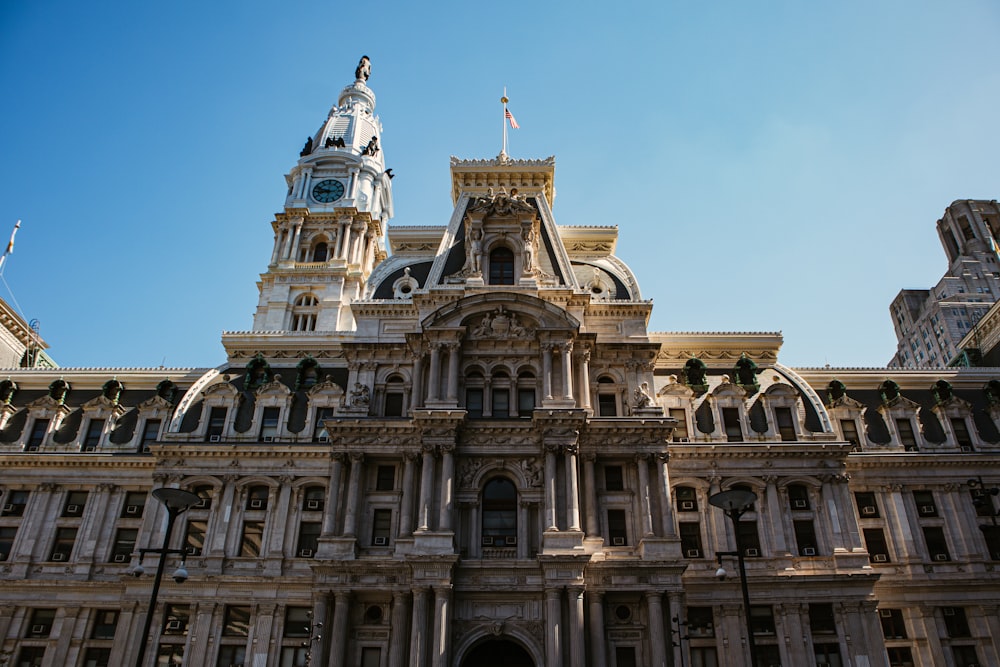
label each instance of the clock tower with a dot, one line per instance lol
(331, 233)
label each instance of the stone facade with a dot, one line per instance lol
(460, 445)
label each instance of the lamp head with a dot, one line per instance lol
(180, 575)
(720, 574)
(138, 571)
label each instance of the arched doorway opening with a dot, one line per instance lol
(498, 653)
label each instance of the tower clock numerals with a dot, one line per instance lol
(328, 191)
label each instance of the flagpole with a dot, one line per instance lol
(503, 120)
(10, 246)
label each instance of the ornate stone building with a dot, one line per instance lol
(459, 445)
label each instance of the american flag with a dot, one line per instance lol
(510, 117)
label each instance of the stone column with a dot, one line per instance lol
(960, 526)
(590, 495)
(333, 505)
(566, 351)
(406, 503)
(546, 370)
(434, 379)
(442, 626)
(62, 629)
(417, 396)
(577, 649)
(320, 643)
(447, 484)
(572, 490)
(353, 494)
(897, 524)
(338, 638)
(657, 648)
(297, 225)
(453, 349)
(279, 241)
(775, 513)
(553, 628)
(666, 496)
(583, 383)
(551, 523)
(272, 546)
(598, 653)
(645, 497)
(418, 629)
(426, 480)
(986, 623)
(852, 531)
(398, 633)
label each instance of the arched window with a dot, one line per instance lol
(304, 313)
(319, 252)
(502, 266)
(394, 397)
(499, 513)
(257, 498)
(607, 397)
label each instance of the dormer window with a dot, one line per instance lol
(502, 266)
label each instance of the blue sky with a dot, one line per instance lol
(770, 166)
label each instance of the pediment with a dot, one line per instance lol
(899, 403)
(846, 401)
(156, 403)
(727, 388)
(221, 389)
(327, 389)
(275, 388)
(955, 403)
(498, 314)
(675, 388)
(47, 402)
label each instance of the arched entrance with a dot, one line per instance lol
(498, 653)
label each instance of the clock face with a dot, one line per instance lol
(328, 191)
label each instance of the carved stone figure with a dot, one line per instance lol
(476, 251)
(308, 148)
(363, 70)
(501, 324)
(360, 395)
(371, 148)
(527, 238)
(641, 397)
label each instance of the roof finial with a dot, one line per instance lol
(364, 69)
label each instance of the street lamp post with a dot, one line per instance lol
(735, 503)
(177, 501)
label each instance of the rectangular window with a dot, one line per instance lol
(614, 479)
(294, 656)
(135, 504)
(320, 433)
(97, 657)
(230, 655)
(878, 550)
(93, 438)
(63, 545)
(236, 622)
(501, 403)
(474, 403)
(701, 622)
(805, 538)
(269, 423)
(38, 431)
(75, 503)
(31, 656)
(124, 545)
(394, 405)
(308, 539)
(731, 422)
(827, 654)
(150, 432)
(175, 619)
(867, 507)
(314, 498)
(686, 499)
(216, 424)
(525, 402)
(625, 656)
(7, 536)
(892, 623)
(385, 478)
(251, 539)
(849, 428)
(798, 497)
(371, 656)
(14, 503)
(937, 548)
(690, 539)
(40, 626)
(961, 430)
(749, 538)
(681, 427)
(762, 619)
(381, 527)
(821, 619)
(925, 503)
(955, 622)
(607, 405)
(704, 656)
(786, 426)
(965, 656)
(617, 532)
(105, 624)
(990, 533)
(168, 655)
(298, 622)
(906, 436)
(194, 541)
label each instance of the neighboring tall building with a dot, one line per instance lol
(459, 446)
(930, 323)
